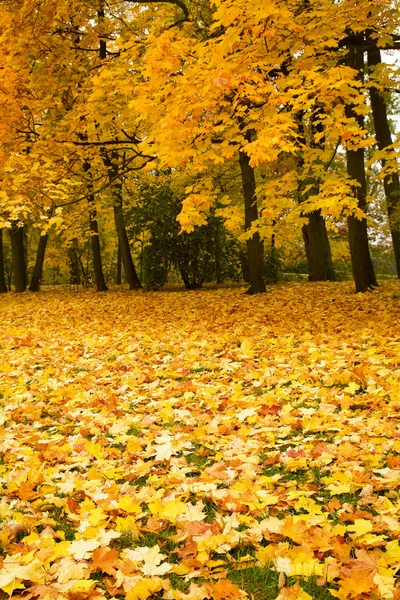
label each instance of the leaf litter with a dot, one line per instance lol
(152, 444)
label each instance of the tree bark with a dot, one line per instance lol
(38, 269)
(73, 258)
(111, 162)
(18, 257)
(3, 285)
(383, 136)
(315, 235)
(362, 267)
(254, 244)
(218, 270)
(118, 278)
(96, 251)
(94, 237)
(318, 249)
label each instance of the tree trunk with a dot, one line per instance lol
(318, 249)
(94, 237)
(217, 254)
(38, 269)
(190, 283)
(383, 136)
(3, 285)
(111, 162)
(254, 244)
(118, 278)
(73, 259)
(96, 251)
(315, 236)
(363, 270)
(18, 257)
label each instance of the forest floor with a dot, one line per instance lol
(200, 445)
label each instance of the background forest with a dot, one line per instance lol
(153, 142)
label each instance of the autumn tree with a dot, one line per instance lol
(94, 95)
(363, 270)
(253, 75)
(3, 285)
(384, 139)
(316, 241)
(60, 131)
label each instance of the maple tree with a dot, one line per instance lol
(96, 93)
(243, 70)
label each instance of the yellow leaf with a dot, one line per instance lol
(94, 449)
(126, 524)
(144, 589)
(82, 586)
(392, 554)
(127, 504)
(246, 348)
(170, 510)
(15, 584)
(360, 527)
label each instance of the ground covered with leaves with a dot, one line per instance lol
(200, 445)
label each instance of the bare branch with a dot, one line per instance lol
(328, 164)
(105, 143)
(106, 185)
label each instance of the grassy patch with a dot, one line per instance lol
(262, 583)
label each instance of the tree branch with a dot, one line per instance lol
(105, 143)
(328, 164)
(105, 186)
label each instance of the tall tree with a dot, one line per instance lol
(18, 256)
(254, 243)
(362, 267)
(3, 285)
(38, 268)
(383, 135)
(315, 235)
(118, 277)
(94, 234)
(111, 160)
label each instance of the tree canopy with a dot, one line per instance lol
(99, 96)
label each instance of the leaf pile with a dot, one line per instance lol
(154, 444)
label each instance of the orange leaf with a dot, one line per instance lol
(224, 589)
(105, 560)
(73, 506)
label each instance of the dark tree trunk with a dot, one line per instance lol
(315, 235)
(111, 162)
(383, 135)
(3, 285)
(318, 249)
(185, 278)
(74, 264)
(218, 270)
(94, 237)
(254, 244)
(363, 270)
(38, 269)
(96, 251)
(18, 257)
(118, 278)
(190, 283)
